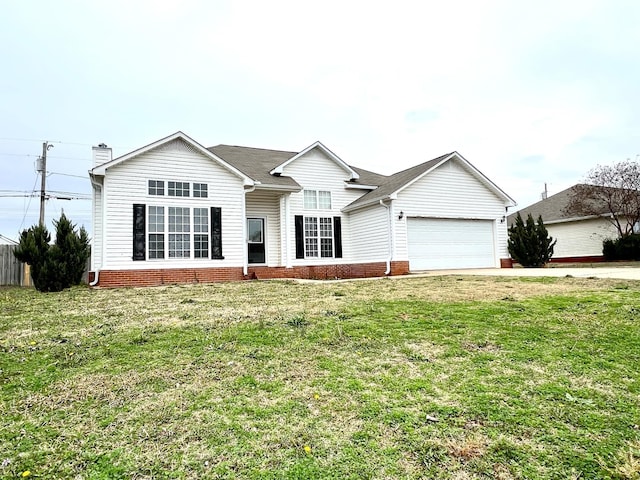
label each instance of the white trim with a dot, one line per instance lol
(477, 173)
(356, 186)
(281, 188)
(509, 202)
(352, 173)
(102, 169)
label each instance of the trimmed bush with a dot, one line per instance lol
(530, 244)
(58, 266)
(623, 248)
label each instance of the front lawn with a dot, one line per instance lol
(440, 377)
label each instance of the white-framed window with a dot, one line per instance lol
(200, 190)
(156, 187)
(179, 232)
(178, 189)
(201, 232)
(156, 232)
(317, 199)
(324, 200)
(318, 237)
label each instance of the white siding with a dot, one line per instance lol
(369, 234)
(450, 191)
(126, 184)
(267, 205)
(581, 238)
(96, 241)
(316, 171)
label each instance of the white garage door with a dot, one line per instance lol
(437, 243)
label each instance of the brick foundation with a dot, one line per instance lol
(583, 259)
(168, 276)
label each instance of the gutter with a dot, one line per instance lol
(388, 207)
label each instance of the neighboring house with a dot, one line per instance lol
(175, 212)
(579, 239)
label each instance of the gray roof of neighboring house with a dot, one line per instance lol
(394, 182)
(552, 209)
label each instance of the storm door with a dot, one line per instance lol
(256, 240)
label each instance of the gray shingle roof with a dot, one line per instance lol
(256, 163)
(552, 209)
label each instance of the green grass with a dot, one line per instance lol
(443, 377)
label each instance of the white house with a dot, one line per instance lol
(578, 238)
(174, 211)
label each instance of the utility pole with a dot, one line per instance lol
(42, 168)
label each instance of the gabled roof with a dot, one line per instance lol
(256, 163)
(101, 169)
(553, 209)
(394, 184)
(279, 169)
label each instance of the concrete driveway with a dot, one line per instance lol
(624, 273)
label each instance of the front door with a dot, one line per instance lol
(255, 239)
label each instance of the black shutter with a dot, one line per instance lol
(216, 233)
(299, 236)
(139, 232)
(337, 237)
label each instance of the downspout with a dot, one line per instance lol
(245, 262)
(388, 207)
(96, 275)
(287, 226)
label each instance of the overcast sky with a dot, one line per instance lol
(528, 92)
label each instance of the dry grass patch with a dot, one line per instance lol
(439, 377)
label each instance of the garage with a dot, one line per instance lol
(442, 243)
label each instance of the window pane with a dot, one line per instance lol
(201, 220)
(326, 247)
(156, 219)
(179, 246)
(156, 187)
(324, 200)
(156, 246)
(254, 230)
(201, 246)
(179, 219)
(310, 200)
(311, 247)
(200, 190)
(326, 227)
(310, 227)
(178, 189)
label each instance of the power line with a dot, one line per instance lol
(28, 205)
(84, 177)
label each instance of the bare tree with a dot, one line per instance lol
(610, 191)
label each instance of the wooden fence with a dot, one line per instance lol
(12, 271)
